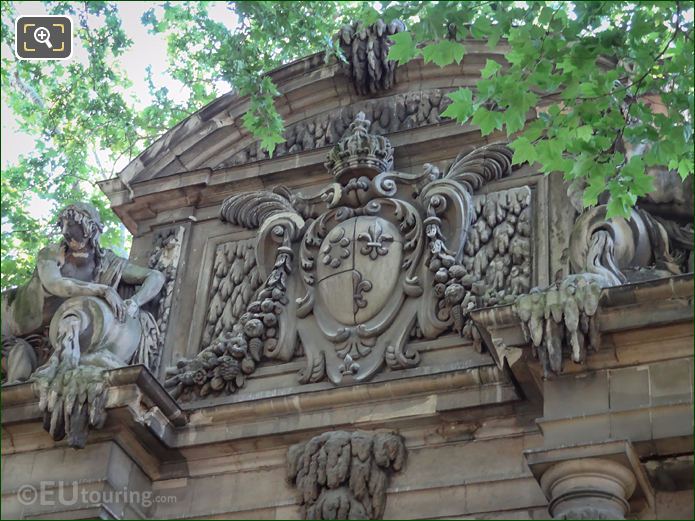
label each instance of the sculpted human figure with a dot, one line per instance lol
(75, 291)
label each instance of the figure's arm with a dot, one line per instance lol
(150, 281)
(56, 284)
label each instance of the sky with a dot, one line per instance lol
(147, 50)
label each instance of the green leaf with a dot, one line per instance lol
(685, 168)
(545, 15)
(481, 27)
(444, 52)
(269, 141)
(638, 181)
(491, 67)
(403, 49)
(514, 119)
(620, 205)
(524, 151)
(487, 120)
(596, 186)
(585, 132)
(494, 37)
(461, 107)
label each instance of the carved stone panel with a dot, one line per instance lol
(235, 280)
(165, 256)
(496, 263)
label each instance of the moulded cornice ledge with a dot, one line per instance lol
(132, 386)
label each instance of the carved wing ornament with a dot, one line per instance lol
(350, 271)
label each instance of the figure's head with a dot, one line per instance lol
(81, 226)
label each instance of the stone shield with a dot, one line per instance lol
(358, 268)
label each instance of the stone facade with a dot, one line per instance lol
(384, 320)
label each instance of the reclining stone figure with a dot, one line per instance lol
(90, 300)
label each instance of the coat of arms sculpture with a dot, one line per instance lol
(373, 258)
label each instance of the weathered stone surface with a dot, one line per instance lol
(488, 233)
(344, 475)
(370, 265)
(165, 257)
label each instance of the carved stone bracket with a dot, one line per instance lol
(344, 475)
(564, 314)
(72, 399)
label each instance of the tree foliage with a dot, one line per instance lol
(602, 65)
(595, 65)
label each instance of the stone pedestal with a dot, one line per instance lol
(593, 488)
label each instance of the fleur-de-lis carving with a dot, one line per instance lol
(349, 366)
(359, 286)
(374, 240)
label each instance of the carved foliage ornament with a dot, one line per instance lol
(165, 256)
(366, 50)
(344, 475)
(352, 270)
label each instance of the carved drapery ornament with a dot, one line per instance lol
(352, 270)
(344, 475)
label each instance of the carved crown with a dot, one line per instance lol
(360, 153)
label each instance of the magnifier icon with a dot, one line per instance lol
(43, 35)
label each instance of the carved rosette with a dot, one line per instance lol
(344, 475)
